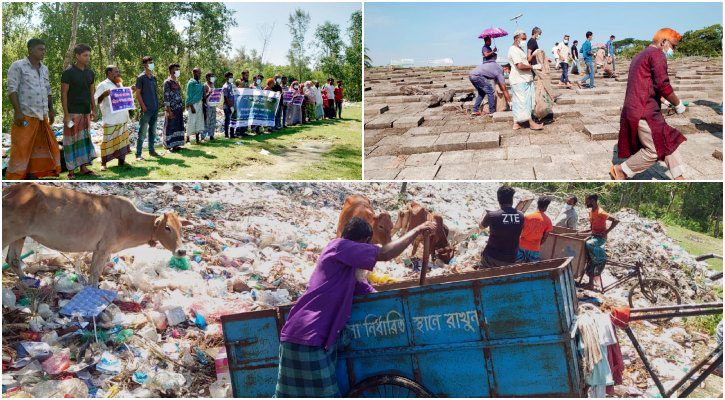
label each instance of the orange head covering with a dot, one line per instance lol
(667, 34)
(270, 82)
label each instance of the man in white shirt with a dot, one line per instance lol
(555, 54)
(564, 54)
(521, 79)
(331, 92)
(115, 144)
(568, 218)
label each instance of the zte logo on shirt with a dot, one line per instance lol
(511, 219)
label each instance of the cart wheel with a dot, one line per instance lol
(388, 386)
(653, 292)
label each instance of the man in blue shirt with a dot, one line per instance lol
(483, 78)
(610, 51)
(228, 92)
(145, 89)
(587, 54)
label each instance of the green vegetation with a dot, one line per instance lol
(123, 33)
(695, 206)
(228, 159)
(697, 243)
(705, 42)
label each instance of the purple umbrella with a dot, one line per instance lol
(493, 33)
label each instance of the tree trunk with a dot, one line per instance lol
(403, 188)
(639, 198)
(672, 200)
(73, 37)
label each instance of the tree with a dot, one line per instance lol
(298, 23)
(702, 42)
(73, 36)
(330, 44)
(353, 57)
(265, 35)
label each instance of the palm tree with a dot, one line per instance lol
(368, 60)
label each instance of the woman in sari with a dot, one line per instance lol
(174, 103)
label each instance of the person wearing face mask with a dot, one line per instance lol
(277, 87)
(522, 83)
(174, 106)
(610, 52)
(532, 45)
(294, 114)
(330, 86)
(194, 96)
(228, 91)
(588, 55)
(284, 106)
(483, 78)
(209, 111)
(564, 59)
(644, 136)
(568, 217)
(146, 90)
(575, 58)
(319, 110)
(115, 144)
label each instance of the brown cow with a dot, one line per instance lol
(359, 206)
(68, 220)
(413, 215)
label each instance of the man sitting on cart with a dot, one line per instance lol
(505, 227)
(595, 245)
(309, 338)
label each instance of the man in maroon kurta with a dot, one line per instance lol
(644, 136)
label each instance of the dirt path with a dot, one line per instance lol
(278, 166)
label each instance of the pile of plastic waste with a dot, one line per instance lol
(153, 326)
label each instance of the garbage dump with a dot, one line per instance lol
(152, 328)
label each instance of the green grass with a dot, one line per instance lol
(697, 243)
(222, 157)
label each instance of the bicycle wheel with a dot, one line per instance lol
(654, 292)
(388, 386)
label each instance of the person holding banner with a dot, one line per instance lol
(239, 131)
(79, 109)
(228, 91)
(194, 95)
(174, 104)
(210, 106)
(294, 115)
(33, 148)
(115, 144)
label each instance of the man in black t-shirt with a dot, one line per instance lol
(79, 109)
(505, 227)
(533, 45)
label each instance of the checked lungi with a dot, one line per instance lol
(306, 371)
(77, 145)
(115, 143)
(597, 256)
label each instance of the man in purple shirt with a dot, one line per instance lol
(308, 349)
(483, 78)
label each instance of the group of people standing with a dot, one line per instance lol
(316, 102)
(644, 136)
(517, 238)
(35, 153)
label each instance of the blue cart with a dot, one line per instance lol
(500, 332)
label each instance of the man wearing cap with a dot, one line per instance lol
(644, 136)
(522, 83)
(483, 77)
